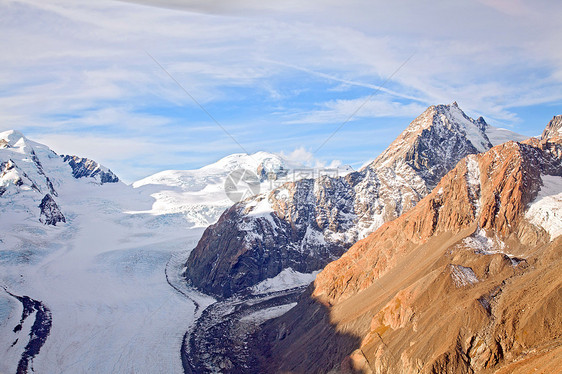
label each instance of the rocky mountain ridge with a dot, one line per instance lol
(305, 224)
(467, 281)
(86, 168)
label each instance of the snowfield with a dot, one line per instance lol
(498, 135)
(200, 196)
(103, 277)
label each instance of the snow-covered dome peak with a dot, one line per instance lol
(11, 138)
(248, 161)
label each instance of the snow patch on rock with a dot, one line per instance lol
(486, 245)
(285, 280)
(483, 244)
(463, 276)
(473, 180)
(269, 313)
(546, 210)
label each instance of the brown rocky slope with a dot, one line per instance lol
(462, 283)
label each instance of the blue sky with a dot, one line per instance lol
(279, 76)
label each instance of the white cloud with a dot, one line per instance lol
(302, 156)
(79, 66)
(95, 147)
(135, 158)
(340, 111)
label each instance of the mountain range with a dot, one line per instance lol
(467, 281)
(440, 255)
(303, 225)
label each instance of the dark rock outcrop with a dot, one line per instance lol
(83, 167)
(41, 172)
(38, 333)
(50, 211)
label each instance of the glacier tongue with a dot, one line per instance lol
(105, 273)
(102, 274)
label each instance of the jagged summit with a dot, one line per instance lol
(305, 224)
(449, 117)
(554, 128)
(434, 140)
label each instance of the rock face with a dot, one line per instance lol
(462, 283)
(83, 167)
(554, 128)
(50, 211)
(306, 224)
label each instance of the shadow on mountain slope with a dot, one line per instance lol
(315, 341)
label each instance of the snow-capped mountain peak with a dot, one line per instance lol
(483, 246)
(195, 180)
(22, 165)
(10, 138)
(432, 144)
(31, 175)
(248, 161)
(447, 126)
